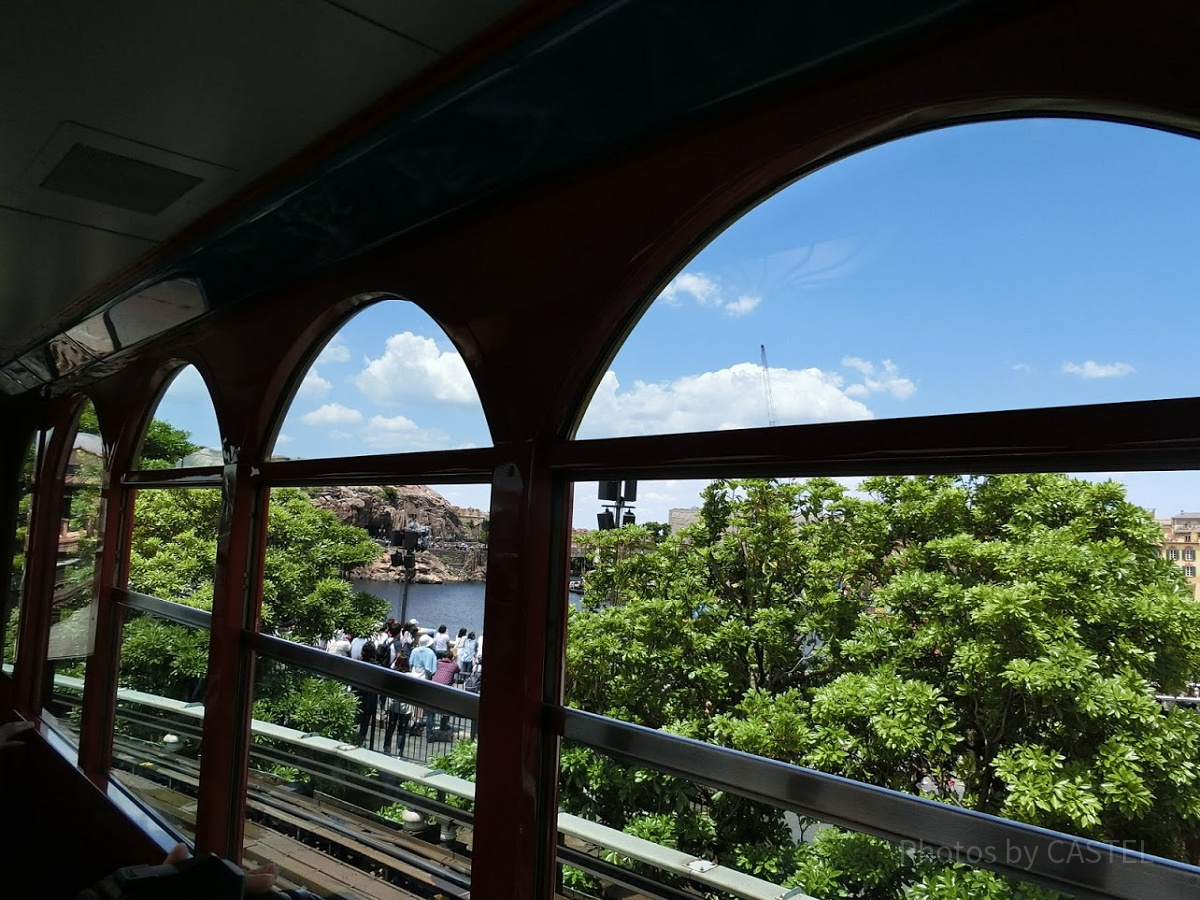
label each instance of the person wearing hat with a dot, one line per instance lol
(423, 659)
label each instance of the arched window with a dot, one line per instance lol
(938, 631)
(10, 614)
(80, 538)
(163, 656)
(183, 432)
(991, 266)
(389, 381)
(372, 569)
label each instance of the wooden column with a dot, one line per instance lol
(517, 775)
(98, 719)
(14, 444)
(40, 558)
(225, 747)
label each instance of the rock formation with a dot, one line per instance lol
(458, 551)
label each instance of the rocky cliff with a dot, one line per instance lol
(457, 549)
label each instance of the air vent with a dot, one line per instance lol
(94, 174)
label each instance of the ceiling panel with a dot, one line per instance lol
(43, 261)
(239, 85)
(223, 90)
(440, 24)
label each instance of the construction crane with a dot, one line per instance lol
(766, 370)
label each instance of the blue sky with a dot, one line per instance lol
(990, 266)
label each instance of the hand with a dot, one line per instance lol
(256, 881)
(12, 732)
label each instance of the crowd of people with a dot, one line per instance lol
(419, 653)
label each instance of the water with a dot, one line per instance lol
(458, 604)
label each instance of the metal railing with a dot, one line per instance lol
(1073, 865)
(308, 746)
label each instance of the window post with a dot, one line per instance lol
(220, 818)
(517, 769)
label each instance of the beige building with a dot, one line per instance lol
(682, 518)
(1181, 540)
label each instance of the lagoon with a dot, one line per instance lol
(457, 604)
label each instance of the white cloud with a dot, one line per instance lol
(314, 387)
(283, 439)
(1021, 367)
(335, 352)
(700, 287)
(1091, 369)
(884, 378)
(399, 433)
(742, 305)
(705, 291)
(337, 435)
(332, 414)
(853, 362)
(728, 398)
(413, 369)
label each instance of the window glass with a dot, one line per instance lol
(160, 716)
(988, 266)
(163, 666)
(378, 574)
(618, 820)
(1019, 637)
(389, 381)
(348, 564)
(174, 548)
(183, 432)
(358, 766)
(14, 592)
(80, 534)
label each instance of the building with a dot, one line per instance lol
(1181, 540)
(682, 518)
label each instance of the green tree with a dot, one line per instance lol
(12, 598)
(305, 598)
(1007, 632)
(163, 445)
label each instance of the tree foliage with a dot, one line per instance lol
(163, 445)
(305, 598)
(1006, 633)
(10, 603)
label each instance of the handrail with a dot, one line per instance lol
(196, 477)
(1082, 867)
(703, 872)
(365, 675)
(192, 616)
(368, 676)
(1014, 849)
